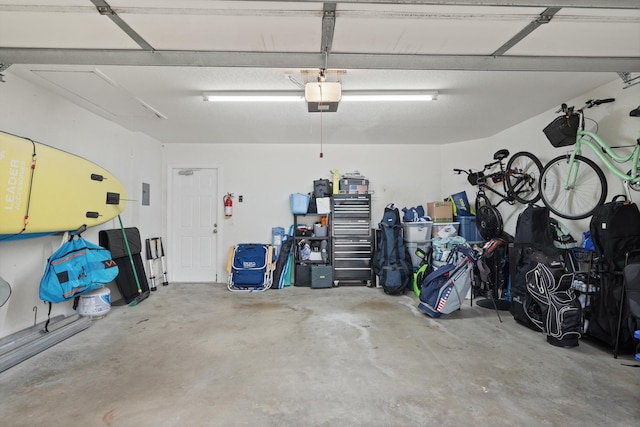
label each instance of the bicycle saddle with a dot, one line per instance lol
(501, 154)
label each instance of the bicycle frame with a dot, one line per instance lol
(503, 197)
(500, 176)
(605, 153)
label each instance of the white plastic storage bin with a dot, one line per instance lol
(417, 231)
(451, 228)
(412, 246)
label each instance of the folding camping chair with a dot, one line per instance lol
(630, 293)
(250, 267)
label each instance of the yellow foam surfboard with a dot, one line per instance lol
(44, 190)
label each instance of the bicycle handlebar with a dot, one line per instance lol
(590, 103)
(593, 102)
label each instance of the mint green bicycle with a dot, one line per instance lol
(573, 186)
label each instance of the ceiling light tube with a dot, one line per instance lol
(296, 96)
(382, 96)
(253, 96)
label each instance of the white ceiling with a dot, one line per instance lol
(145, 63)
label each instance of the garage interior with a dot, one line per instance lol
(123, 84)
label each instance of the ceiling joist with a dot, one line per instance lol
(544, 18)
(316, 60)
(579, 4)
(106, 10)
(328, 26)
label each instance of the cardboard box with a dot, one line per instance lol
(440, 211)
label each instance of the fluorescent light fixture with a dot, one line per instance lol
(253, 96)
(382, 96)
(330, 94)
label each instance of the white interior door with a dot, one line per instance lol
(194, 224)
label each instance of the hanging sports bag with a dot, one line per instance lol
(78, 266)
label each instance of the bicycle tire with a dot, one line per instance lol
(481, 200)
(489, 222)
(589, 190)
(527, 191)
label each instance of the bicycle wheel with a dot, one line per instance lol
(587, 190)
(481, 200)
(523, 173)
(489, 222)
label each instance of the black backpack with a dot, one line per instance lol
(392, 260)
(533, 227)
(615, 230)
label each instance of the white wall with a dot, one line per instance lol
(265, 175)
(615, 126)
(29, 111)
(407, 175)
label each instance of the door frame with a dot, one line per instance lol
(170, 230)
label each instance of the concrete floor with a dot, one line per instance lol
(199, 355)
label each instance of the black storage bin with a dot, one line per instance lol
(303, 275)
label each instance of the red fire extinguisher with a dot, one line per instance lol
(228, 205)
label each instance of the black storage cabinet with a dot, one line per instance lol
(351, 239)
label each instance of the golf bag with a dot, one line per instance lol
(533, 245)
(560, 311)
(443, 291)
(615, 231)
(392, 260)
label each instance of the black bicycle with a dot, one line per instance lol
(519, 179)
